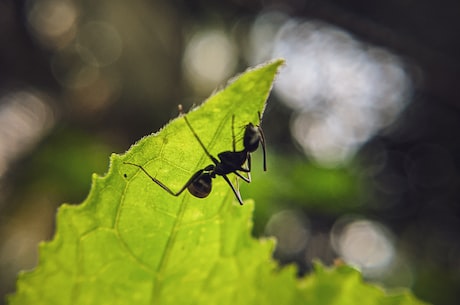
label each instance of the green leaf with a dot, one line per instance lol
(130, 242)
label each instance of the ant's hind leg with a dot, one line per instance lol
(162, 185)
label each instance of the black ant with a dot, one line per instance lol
(200, 184)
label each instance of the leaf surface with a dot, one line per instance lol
(130, 242)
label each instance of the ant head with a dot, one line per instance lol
(202, 186)
(252, 137)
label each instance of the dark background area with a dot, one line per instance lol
(82, 79)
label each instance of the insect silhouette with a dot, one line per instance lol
(227, 162)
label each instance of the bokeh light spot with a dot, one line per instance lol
(363, 243)
(210, 58)
(262, 34)
(99, 43)
(343, 91)
(52, 22)
(291, 231)
(71, 70)
(25, 116)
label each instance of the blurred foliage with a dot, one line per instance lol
(293, 182)
(64, 162)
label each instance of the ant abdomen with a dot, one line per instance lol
(201, 187)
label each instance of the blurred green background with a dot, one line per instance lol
(361, 127)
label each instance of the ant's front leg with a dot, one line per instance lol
(245, 170)
(237, 193)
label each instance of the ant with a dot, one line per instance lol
(200, 184)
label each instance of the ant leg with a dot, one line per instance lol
(249, 167)
(249, 162)
(201, 143)
(167, 189)
(246, 179)
(237, 193)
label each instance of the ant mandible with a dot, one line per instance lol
(200, 184)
